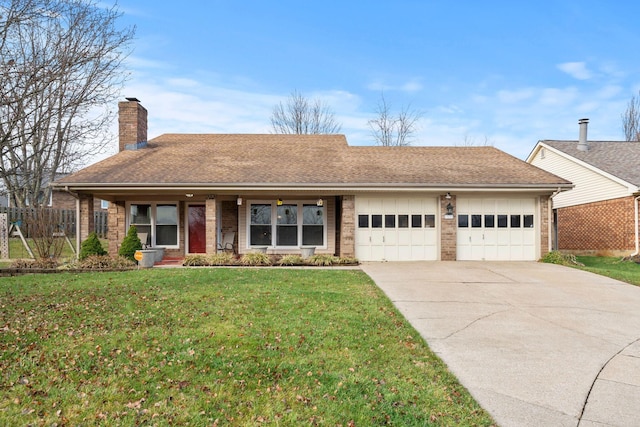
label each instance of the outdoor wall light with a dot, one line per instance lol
(320, 203)
(189, 194)
(448, 196)
(279, 202)
(449, 210)
(239, 201)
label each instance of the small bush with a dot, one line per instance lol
(102, 262)
(221, 258)
(91, 246)
(255, 258)
(291, 260)
(322, 260)
(195, 260)
(37, 264)
(130, 244)
(348, 261)
(557, 257)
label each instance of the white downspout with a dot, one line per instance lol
(636, 223)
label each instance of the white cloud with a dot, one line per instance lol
(577, 70)
(515, 96)
(410, 86)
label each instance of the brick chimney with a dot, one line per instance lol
(583, 143)
(132, 121)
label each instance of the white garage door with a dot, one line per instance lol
(497, 229)
(396, 229)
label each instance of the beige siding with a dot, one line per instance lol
(590, 186)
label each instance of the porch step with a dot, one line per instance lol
(167, 261)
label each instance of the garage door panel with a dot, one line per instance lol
(501, 234)
(398, 238)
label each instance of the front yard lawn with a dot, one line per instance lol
(614, 267)
(213, 347)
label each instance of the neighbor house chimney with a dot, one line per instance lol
(583, 145)
(132, 121)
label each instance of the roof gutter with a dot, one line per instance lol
(325, 187)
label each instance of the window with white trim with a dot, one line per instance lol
(293, 224)
(158, 220)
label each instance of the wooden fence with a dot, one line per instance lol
(67, 218)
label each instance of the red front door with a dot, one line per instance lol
(197, 229)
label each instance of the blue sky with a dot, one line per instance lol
(505, 73)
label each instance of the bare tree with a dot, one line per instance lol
(471, 141)
(60, 69)
(300, 115)
(393, 130)
(631, 119)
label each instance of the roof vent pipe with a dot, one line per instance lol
(583, 145)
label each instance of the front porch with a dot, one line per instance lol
(192, 224)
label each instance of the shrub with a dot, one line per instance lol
(130, 244)
(323, 259)
(103, 262)
(557, 257)
(39, 263)
(195, 260)
(348, 261)
(221, 258)
(291, 260)
(91, 246)
(255, 258)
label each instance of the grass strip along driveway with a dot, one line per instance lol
(217, 347)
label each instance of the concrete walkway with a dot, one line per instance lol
(535, 344)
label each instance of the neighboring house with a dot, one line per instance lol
(600, 215)
(58, 199)
(283, 192)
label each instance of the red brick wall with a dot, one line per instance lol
(601, 226)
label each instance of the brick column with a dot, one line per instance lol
(211, 226)
(348, 227)
(86, 220)
(545, 221)
(449, 230)
(117, 224)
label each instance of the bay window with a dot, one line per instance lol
(158, 220)
(293, 224)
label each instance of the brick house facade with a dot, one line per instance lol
(600, 214)
(282, 193)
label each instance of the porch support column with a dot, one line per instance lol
(545, 220)
(117, 226)
(348, 227)
(449, 230)
(211, 216)
(86, 221)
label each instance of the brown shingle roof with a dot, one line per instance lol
(618, 158)
(222, 159)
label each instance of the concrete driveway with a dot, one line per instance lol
(535, 344)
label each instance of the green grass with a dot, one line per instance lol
(207, 347)
(614, 267)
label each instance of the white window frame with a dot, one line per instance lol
(274, 223)
(104, 204)
(153, 224)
